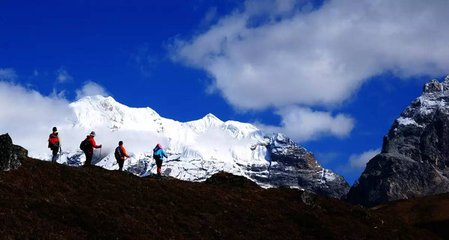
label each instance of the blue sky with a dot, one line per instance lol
(333, 75)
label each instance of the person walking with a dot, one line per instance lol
(158, 155)
(120, 154)
(54, 144)
(88, 146)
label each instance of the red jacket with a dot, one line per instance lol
(93, 144)
(124, 153)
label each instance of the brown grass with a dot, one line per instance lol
(50, 201)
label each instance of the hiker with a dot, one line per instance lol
(54, 144)
(158, 155)
(88, 146)
(120, 154)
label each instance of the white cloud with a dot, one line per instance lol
(359, 161)
(63, 76)
(319, 57)
(303, 124)
(90, 89)
(7, 74)
(28, 116)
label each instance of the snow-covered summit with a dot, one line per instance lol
(435, 98)
(435, 87)
(94, 111)
(196, 149)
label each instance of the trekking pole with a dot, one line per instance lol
(60, 152)
(99, 157)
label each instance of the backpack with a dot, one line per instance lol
(85, 145)
(118, 153)
(155, 154)
(53, 142)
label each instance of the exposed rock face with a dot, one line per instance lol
(10, 154)
(415, 154)
(292, 165)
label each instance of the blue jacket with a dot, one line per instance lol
(159, 152)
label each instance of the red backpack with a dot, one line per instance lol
(53, 141)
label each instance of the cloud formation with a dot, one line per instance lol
(91, 89)
(304, 124)
(359, 161)
(28, 116)
(317, 57)
(274, 53)
(29, 125)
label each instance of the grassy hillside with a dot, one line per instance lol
(41, 200)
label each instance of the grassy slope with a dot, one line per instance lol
(50, 201)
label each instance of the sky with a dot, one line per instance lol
(332, 75)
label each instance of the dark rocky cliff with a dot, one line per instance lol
(415, 154)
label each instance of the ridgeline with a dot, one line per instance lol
(41, 200)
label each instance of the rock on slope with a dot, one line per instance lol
(10, 154)
(415, 154)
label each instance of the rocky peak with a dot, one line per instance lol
(415, 154)
(293, 165)
(434, 86)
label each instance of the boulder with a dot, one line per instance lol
(10, 154)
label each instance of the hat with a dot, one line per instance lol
(55, 129)
(120, 143)
(159, 145)
(92, 134)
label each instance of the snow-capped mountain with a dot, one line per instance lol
(415, 155)
(196, 149)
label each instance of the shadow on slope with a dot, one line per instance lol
(41, 200)
(431, 213)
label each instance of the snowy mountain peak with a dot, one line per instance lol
(434, 86)
(212, 120)
(96, 99)
(99, 111)
(211, 116)
(435, 98)
(207, 122)
(196, 149)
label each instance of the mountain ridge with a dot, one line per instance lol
(196, 149)
(53, 201)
